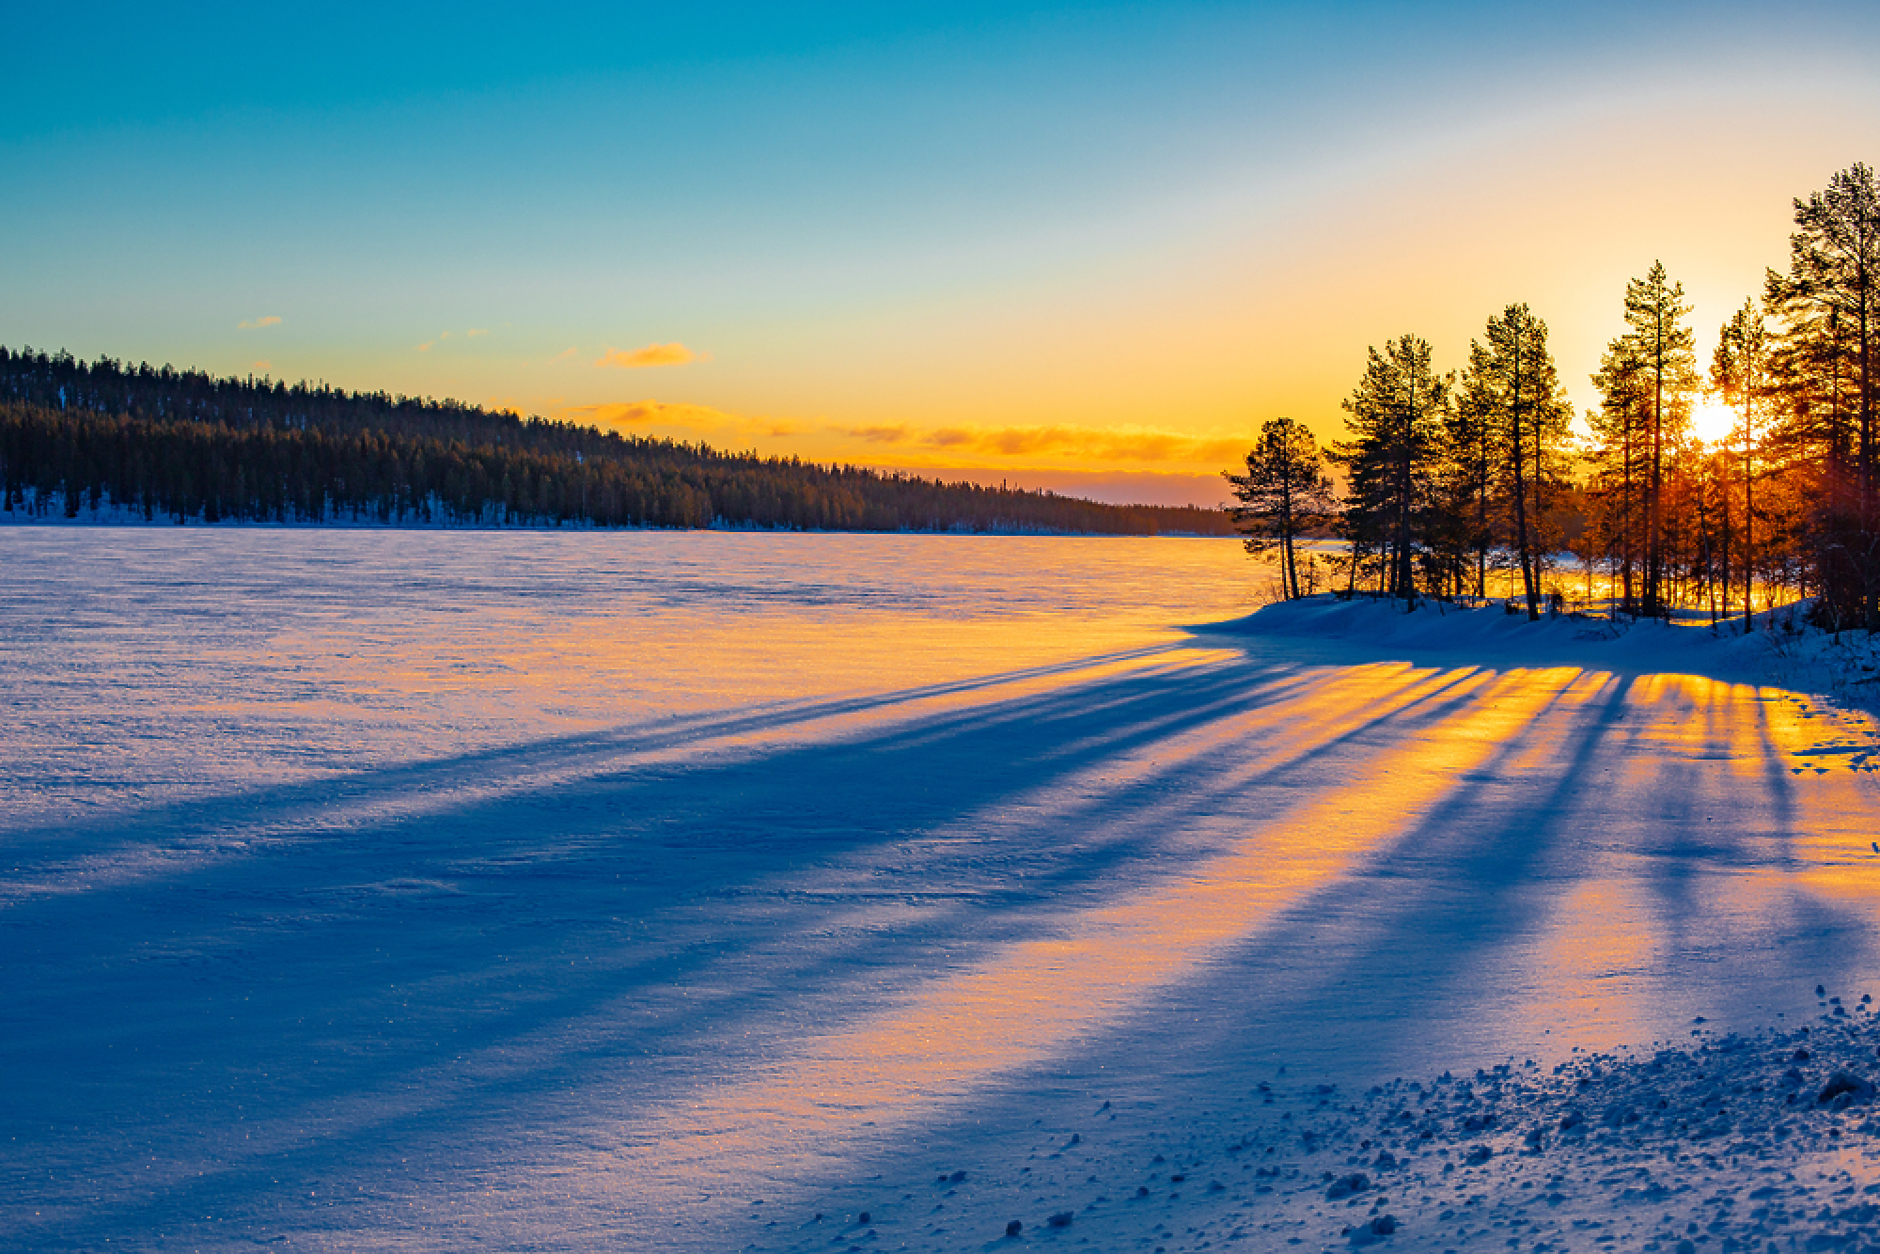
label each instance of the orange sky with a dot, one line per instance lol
(1087, 248)
(1144, 375)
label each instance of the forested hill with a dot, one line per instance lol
(185, 445)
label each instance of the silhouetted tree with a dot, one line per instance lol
(1396, 418)
(1511, 389)
(1824, 366)
(1471, 453)
(1646, 380)
(1737, 371)
(1284, 493)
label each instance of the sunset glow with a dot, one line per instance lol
(1713, 421)
(1089, 248)
(1186, 627)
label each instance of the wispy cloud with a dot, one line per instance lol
(253, 324)
(1104, 452)
(1109, 444)
(473, 332)
(896, 433)
(566, 354)
(714, 425)
(651, 414)
(428, 345)
(263, 365)
(674, 354)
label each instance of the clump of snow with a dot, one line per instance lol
(1755, 1142)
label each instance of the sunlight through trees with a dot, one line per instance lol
(1765, 488)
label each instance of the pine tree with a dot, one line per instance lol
(1646, 380)
(1825, 363)
(1471, 452)
(1396, 417)
(1513, 389)
(1619, 466)
(1737, 371)
(1284, 492)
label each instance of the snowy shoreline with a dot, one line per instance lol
(33, 513)
(1782, 651)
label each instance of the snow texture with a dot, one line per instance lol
(714, 892)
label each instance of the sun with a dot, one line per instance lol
(1712, 420)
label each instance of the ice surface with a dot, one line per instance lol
(664, 891)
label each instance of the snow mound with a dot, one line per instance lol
(1493, 637)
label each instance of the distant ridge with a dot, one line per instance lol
(187, 446)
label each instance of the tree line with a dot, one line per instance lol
(183, 446)
(1452, 475)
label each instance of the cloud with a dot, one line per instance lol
(1107, 444)
(252, 324)
(473, 332)
(566, 354)
(715, 426)
(263, 365)
(897, 433)
(650, 414)
(428, 344)
(674, 354)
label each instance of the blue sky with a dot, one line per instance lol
(1091, 243)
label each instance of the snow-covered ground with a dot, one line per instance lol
(714, 892)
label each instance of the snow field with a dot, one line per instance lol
(558, 893)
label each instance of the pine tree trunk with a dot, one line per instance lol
(1523, 551)
(1749, 515)
(1289, 578)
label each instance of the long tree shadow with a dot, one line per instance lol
(1338, 981)
(1453, 937)
(1424, 929)
(290, 805)
(339, 980)
(483, 970)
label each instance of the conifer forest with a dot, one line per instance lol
(186, 446)
(1466, 483)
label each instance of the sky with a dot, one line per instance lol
(1083, 247)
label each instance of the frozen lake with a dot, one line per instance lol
(545, 891)
(138, 661)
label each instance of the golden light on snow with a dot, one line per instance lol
(1609, 874)
(658, 888)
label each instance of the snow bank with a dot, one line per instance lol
(1494, 637)
(1782, 649)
